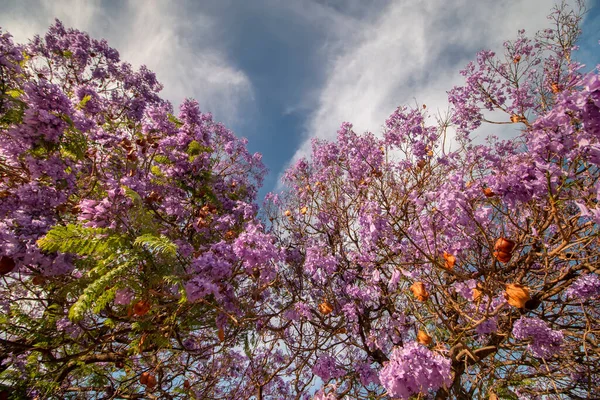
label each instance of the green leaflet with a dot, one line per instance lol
(93, 292)
(80, 240)
(161, 245)
(74, 144)
(84, 101)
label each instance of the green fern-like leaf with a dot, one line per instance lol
(161, 245)
(74, 144)
(79, 240)
(94, 292)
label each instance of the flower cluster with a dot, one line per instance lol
(586, 287)
(545, 342)
(414, 369)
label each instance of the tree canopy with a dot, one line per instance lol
(417, 263)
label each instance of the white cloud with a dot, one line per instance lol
(180, 48)
(410, 50)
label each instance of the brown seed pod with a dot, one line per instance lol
(419, 291)
(151, 381)
(502, 256)
(221, 334)
(488, 192)
(7, 264)
(517, 295)
(516, 59)
(505, 245)
(38, 280)
(144, 377)
(186, 384)
(325, 308)
(424, 338)
(141, 307)
(450, 260)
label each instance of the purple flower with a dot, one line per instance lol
(326, 368)
(585, 287)
(545, 342)
(414, 369)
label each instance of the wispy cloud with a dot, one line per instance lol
(410, 50)
(182, 48)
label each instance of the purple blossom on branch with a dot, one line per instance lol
(414, 369)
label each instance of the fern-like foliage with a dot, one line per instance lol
(80, 240)
(159, 245)
(94, 292)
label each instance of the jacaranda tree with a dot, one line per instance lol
(422, 263)
(131, 256)
(419, 263)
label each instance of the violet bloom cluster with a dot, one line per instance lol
(585, 287)
(545, 342)
(414, 369)
(326, 368)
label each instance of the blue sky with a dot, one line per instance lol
(282, 72)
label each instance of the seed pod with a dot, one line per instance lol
(144, 378)
(450, 260)
(476, 294)
(515, 118)
(141, 307)
(517, 59)
(151, 381)
(533, 303)
(419, 291)
(221, 334)
(131, 155)
(304, 210)
(505, 245)
(7, 264)
(555, 87)
(325, 308)
(424, 338)
(488, 192)
(186, 384)
(288, 213)
(517, 295)
(38, 280)
(502, 256)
